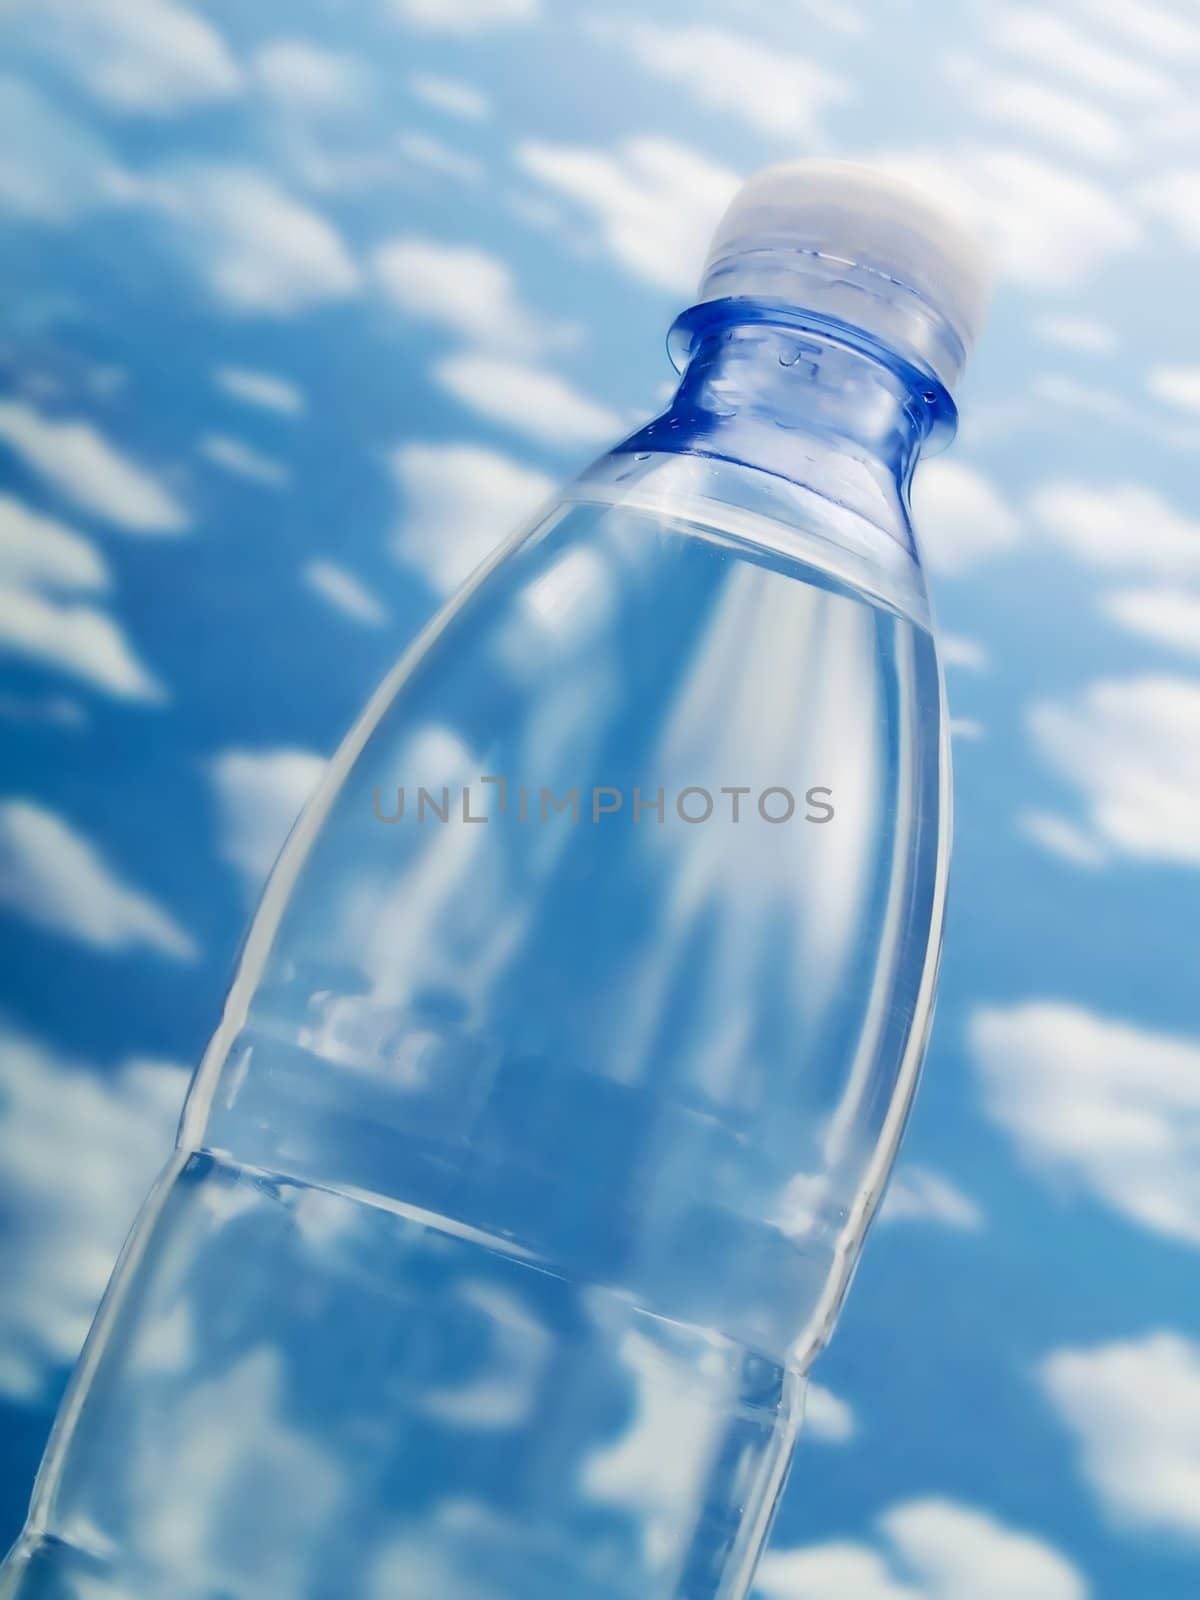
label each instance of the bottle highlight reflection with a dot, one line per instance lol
(526, 1173)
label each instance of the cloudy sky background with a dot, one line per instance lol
(304, 306)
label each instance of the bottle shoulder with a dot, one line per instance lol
(781, 518)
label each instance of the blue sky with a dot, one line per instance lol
(306, 305)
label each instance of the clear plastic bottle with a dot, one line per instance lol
(527, 1170)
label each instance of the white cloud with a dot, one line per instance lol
(1061, 392)
(78, 1152)
(1132, 747)
(408, 159)
(1178, 122)
(958, 1550)
(1053, 115)
(37, 549)
(344, 592)
(827, 1417)
(1177, 386)
(815, 1572)
(918, 1194)
(76, 639)
(503, 1388)
(461, 500)
(1112, 1107)
(539, 213)
(1120, 527)
(231, 455)
(931, 1549)
(464, 16)
(340, 168)
(1162, 31)
(529, 399)
(1057, 46)
(1048, 227)
(1080, 334)
(259, 249)
(238, 1486)
(654, 201)
(966, 728)
(836, 15)
(77, 460)
(56, 878)
(773, 90)
(259, 794)
(149, 56)
(957, 651)
(655, 1469)
(1062, 838)
(451, 95)
(1134, 1409)
(1175, 196)
(261, 389)
(1168, 616)
(461, 288)
(51, 167)
(40, 561)
(306, 78)
(960, 516)
(436, 156)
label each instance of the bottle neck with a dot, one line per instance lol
(805, 398)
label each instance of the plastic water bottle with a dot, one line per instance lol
(572, 1042)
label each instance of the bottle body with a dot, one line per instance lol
(568, 1056)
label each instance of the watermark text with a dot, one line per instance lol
(491, 797)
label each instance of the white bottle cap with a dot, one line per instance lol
(854, 243)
